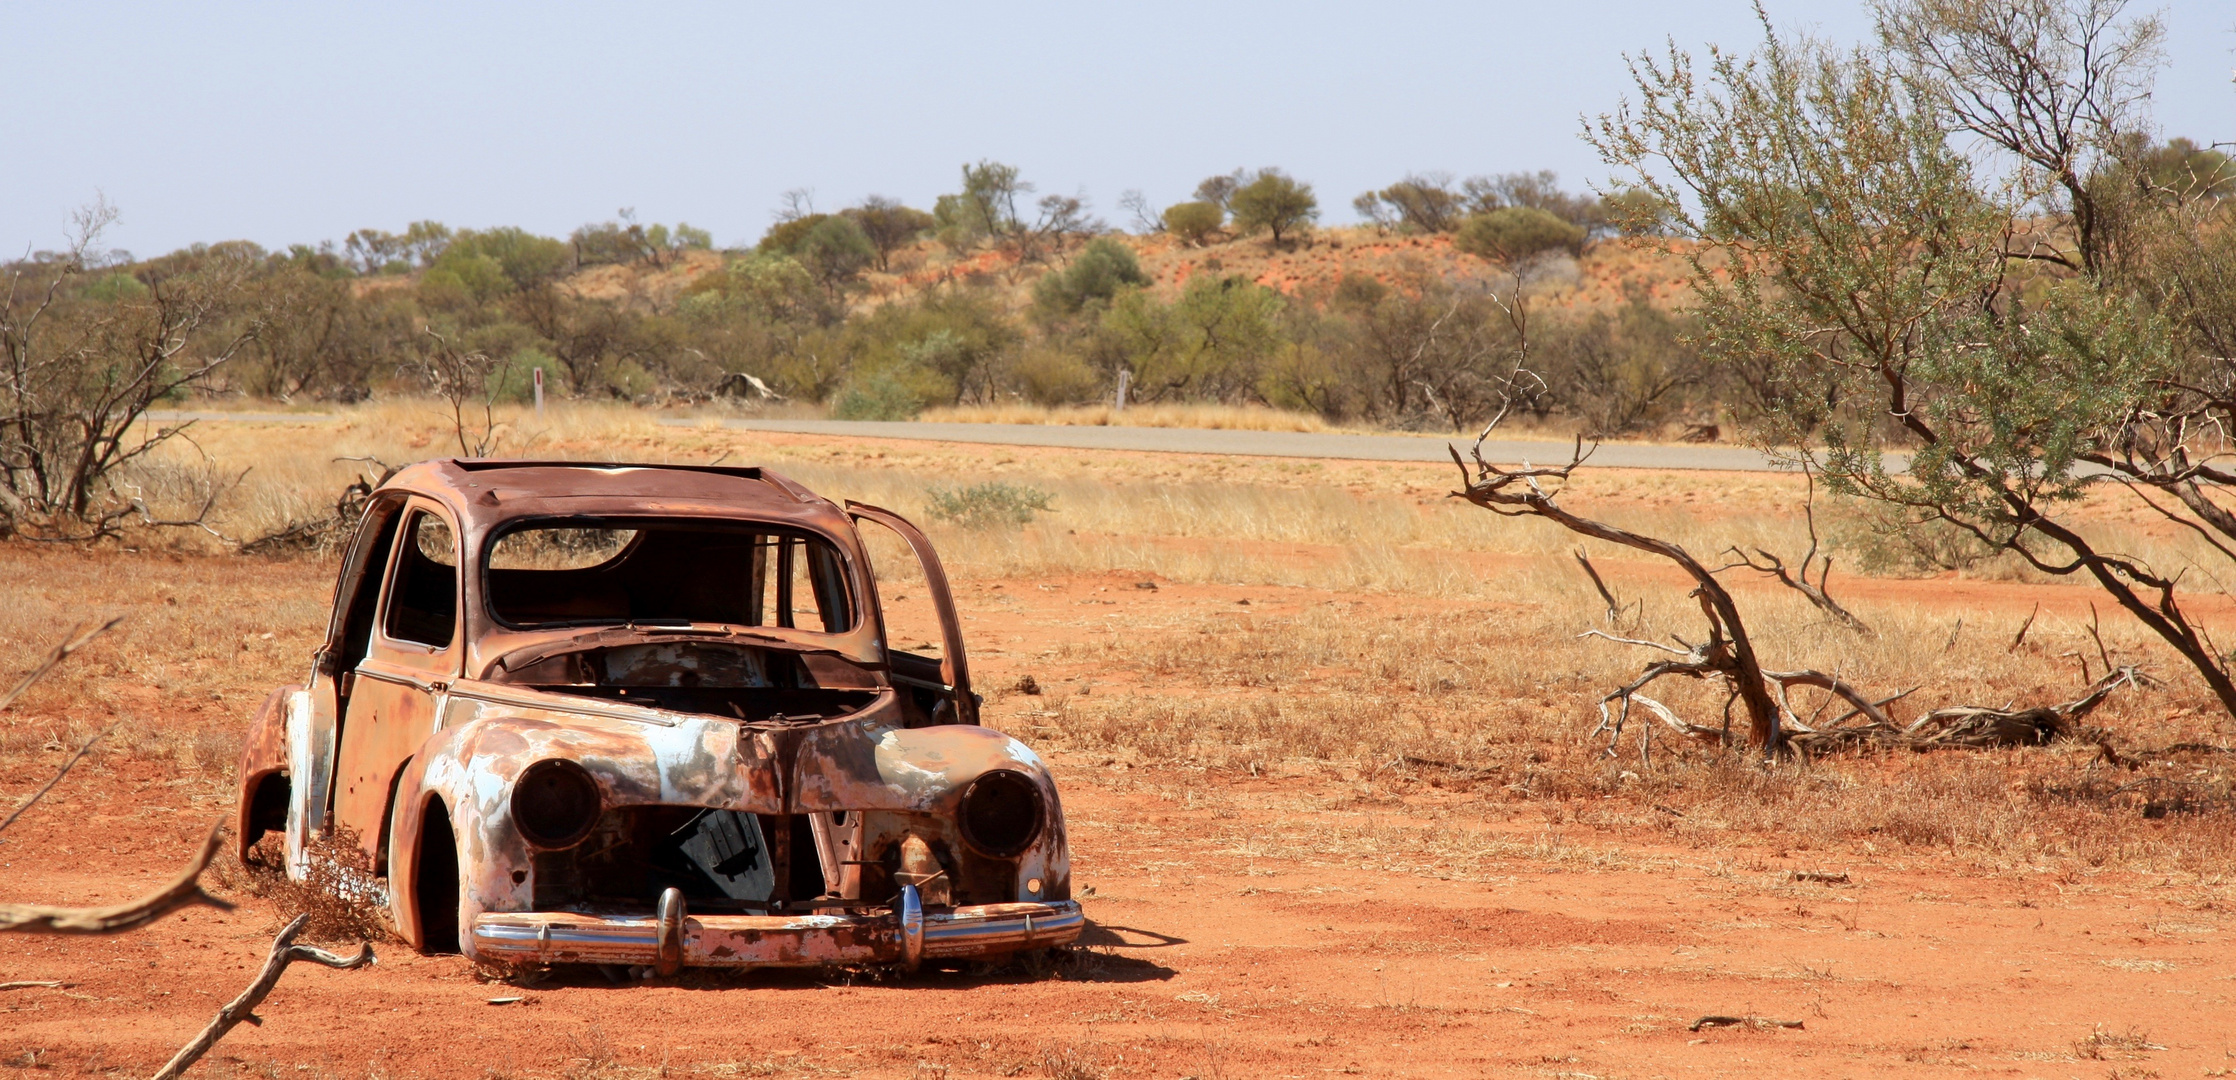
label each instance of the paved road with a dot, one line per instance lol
(1261, 443)
(1169, 440)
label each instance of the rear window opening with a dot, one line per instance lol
(577, 573)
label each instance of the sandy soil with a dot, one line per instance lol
(1293, 923)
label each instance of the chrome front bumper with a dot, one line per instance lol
(672, 939)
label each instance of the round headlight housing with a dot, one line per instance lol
(1001, 813)
(555, 803)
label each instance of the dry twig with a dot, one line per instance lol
(77, 640)
(284, 952)
(59, 774)
(183, 890)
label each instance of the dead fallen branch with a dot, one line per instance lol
(1760, 1023)
(183, 890)
(78, 639)
(243, 1008)
(1614, 609)
(1727, 654)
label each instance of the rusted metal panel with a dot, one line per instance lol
(390, 714)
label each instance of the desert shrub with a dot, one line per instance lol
(889, 225)
(990, 505)
(1620, 371)
(1046, 375)
(1418, 203)
(783, 238)
(1210, 344)
(836, 251)
(1515, 234)
(1194, 222)
(884, 394)
(339, 894)
(1102, 268)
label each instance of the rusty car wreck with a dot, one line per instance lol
(650, 715)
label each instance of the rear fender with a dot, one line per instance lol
(263, 762)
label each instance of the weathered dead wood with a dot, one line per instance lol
(2020, 638)
(1818, 593)
(1728, 653)
(183, 890)
(1614, 610)
(78, 639)
(1972, 726)
(243, 1008)
(1758, 1022)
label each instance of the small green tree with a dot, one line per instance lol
(1213, 343)
(1095, 275)
(1420, 202)
(889, 226)
(1511, 235)
(836, 251)
(1194, 222)
(783, 238)
(1275, 203)
(1842, 239)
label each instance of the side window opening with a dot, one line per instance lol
(423, 597)
(811, 589)
(357, 622)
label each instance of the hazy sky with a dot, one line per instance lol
(288, 122)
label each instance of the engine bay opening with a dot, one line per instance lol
(715, 678)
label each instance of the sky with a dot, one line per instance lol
(299, 122)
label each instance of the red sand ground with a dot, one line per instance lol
(1236, 934)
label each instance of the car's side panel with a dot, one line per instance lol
(391, 713)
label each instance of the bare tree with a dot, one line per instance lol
(81, 367)
(463, 380)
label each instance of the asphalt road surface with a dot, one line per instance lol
(1176, 441)
(1265, 443)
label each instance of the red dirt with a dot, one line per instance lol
(1243, 926)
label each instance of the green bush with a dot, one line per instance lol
(836, 251)
(1102, 268)
(990, 505)
(1517, 234)
(884, 394)
(1194, 222)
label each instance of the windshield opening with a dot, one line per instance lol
(575, 573)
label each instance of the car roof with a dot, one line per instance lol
(485, 493)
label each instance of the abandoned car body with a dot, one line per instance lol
(650, 715)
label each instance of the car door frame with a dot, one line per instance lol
(313, 716)
(954, 665)
(415, 675)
